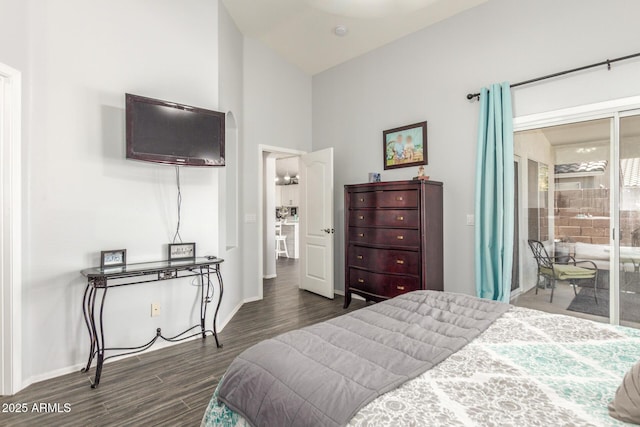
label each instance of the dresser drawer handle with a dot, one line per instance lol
(399, 198)
(400, 237)
(361, 217)
(362, 199)
(360, 234)
(399, 261)
(400, 218)
(359, 257)
(400, 288)
(360, 280)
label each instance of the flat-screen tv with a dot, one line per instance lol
(167, 132)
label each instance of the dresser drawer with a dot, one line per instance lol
(385, 218)
(384, 260)
(398, 237)
(386, 285)
(385, 199)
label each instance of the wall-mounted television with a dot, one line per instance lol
(168, 132)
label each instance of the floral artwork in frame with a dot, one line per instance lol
(405, 146)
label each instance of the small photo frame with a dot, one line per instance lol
(181, 251)
(405, 146)
(113, 258)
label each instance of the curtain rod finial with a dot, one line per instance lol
(471, 96)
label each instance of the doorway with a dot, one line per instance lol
(275, 212)
(315, 217)
(281, 213)
(582, 202)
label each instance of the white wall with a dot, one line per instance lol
(426, 76)
(230, 89)
(81, 195)
(277, 112)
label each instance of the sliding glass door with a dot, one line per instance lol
(593, 153)
(582, 208)
(568, 210)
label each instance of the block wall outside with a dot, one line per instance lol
(584, 216)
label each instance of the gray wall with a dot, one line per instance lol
(277, 112)
(425, 76)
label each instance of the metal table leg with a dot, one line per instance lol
(215, 316)
(87, 312)
(100, 347)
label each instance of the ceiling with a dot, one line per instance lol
(302, 31)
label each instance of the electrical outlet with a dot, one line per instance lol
(155, 309)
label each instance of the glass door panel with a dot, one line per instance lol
(582, 220)
(629, 240)
(567, 209)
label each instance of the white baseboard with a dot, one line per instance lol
(337, 292)
(76, 368)
(157, 346)
(270, 276)
(52, 374)
(226, 321)
(252, 299)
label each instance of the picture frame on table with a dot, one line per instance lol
(405, 146)
(181, 251)
(113, 258)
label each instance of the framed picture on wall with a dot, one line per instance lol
(405, 146)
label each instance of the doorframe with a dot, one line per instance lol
(260, 218)
(11, 233)
(612, 109)
(520, 208)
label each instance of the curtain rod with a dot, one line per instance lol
(607, 62)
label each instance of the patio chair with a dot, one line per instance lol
(563, 268)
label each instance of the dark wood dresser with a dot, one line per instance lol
(393, 238)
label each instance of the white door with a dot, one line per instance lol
(316, 222)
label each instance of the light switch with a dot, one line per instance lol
(471, 219)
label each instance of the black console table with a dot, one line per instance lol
(99, 280)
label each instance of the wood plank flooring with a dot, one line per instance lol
(172, 386)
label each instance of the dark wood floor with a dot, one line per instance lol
(172, 386)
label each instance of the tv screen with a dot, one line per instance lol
(167, 132)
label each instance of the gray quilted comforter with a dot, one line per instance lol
(323, 374)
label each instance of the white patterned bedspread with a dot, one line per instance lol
(529, 368)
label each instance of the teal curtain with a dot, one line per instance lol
(494, 210)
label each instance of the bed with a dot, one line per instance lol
(527, 368)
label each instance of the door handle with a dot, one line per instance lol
(328, 230)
